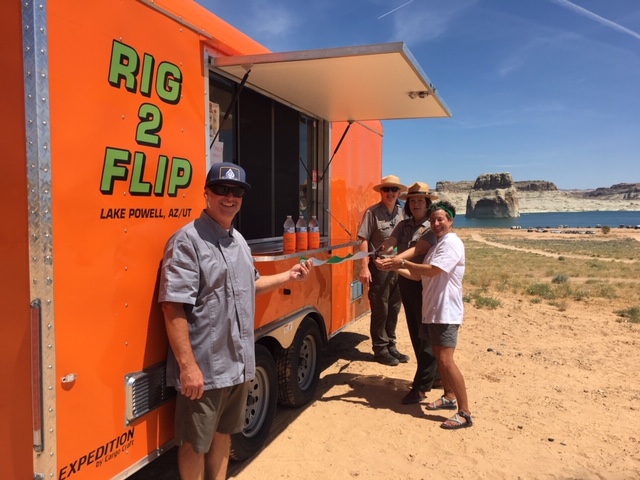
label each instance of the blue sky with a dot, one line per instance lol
(542, 89)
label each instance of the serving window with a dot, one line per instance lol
(282, 150)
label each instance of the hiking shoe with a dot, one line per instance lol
(414, 396)
(402, 358)
(385, 358)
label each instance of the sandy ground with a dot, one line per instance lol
(554, 395)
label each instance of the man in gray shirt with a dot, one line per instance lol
(207, 291)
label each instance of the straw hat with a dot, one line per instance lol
(419, 189)
(390, 181)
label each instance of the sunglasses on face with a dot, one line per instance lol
(390, 189)
(223, 190)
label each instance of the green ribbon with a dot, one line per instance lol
(334, 260)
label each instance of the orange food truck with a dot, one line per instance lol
(112, 114)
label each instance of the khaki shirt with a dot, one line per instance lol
(378, 223)
(408, 232)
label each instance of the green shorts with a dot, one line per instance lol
(220, 410)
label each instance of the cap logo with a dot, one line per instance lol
(229, 173)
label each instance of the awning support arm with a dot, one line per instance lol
(344, 134)
(236, 95)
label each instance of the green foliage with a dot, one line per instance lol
(631, 314)
(542, 290)
(606, 290)
(492, 271)
(482, 301)
(487, 302)
(581, 293)
(606, 229)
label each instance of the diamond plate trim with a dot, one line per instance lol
(38, 135)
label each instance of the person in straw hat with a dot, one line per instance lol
(384, 295)
(412, 230)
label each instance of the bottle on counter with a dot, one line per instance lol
(314, 233)
(302, 236)
(289, 235)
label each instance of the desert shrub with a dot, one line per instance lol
(606, 229)
(561, 258)
(548, 291)
(483, 301)
(487, 302)
(563, 290)
(485, 279)
(562, 305)
(631, 314)
(542, 290)
(561, 278)
(581, 293)
(606, 290)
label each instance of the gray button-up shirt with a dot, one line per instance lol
(210, 271)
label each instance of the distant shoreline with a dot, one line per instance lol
(558, 201)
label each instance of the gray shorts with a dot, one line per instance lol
(220, 410)
(443, 334)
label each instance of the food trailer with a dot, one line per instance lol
(113, 113)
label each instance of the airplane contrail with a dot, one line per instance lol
(582, 11)
(397, 8)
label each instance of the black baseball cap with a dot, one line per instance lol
(227, 173)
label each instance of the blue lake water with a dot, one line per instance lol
(554, 220)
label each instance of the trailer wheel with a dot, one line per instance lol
(261, 408)
(299, 366)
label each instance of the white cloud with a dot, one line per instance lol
(587, 13)
(422, 21)
(397, 8)
(270, 20)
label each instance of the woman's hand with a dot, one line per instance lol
(389, 264)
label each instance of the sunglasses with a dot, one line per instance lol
(390, 189)
(223, 190)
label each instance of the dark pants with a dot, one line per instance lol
(384, 299)
(427, 369)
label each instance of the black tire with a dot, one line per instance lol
(299, 366)
(261, 408)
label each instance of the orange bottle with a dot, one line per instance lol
(289, 236)
(302, 236)
(314, 233)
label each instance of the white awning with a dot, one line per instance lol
(371, 82)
